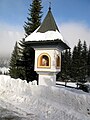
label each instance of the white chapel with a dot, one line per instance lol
(48, 44)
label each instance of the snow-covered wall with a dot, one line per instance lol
(51, 103)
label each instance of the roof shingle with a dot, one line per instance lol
(48, 24)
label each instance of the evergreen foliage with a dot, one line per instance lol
(27, 61)
(34, 17)
(64, 75)
(76, 65)
(22, 59)
(13, 69)
(28, 53)
(84, 61)
(77, 60)
(66, 64)
(88, 62)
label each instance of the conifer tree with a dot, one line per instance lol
(34, 18)
(88, 62)
(28, 55)
(65, 65)
(77, 61)
(74, 63)
(84, 60)
(69, 62)
(13, 69)
(26, 62)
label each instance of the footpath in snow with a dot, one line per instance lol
(24, 101)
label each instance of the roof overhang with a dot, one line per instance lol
(48, 43)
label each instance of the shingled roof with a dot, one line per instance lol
(47, 32)
(48, 24)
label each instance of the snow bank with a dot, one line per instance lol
(41, 102)
(14, 85)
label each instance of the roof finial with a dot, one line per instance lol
(49, 6)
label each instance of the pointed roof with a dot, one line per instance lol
(48, 24)
(46, 32)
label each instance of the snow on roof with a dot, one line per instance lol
(48, 30)
(49, 35)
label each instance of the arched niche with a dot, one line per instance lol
(58, 62)
(44, 60)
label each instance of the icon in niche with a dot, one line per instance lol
(44, 60)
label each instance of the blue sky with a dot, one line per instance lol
(14, 12)
(72, 17)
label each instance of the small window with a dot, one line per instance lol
(58, 62)
(44, 60)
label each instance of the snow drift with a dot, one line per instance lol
(43, 103)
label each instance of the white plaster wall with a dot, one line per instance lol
(47, 79)
(52, 53)
(47, 76)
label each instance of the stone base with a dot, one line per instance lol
(47, 79)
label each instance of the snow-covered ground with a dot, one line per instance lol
(20, 100)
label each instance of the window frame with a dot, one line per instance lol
(39, 59)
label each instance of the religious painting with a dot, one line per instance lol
(44, 60)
